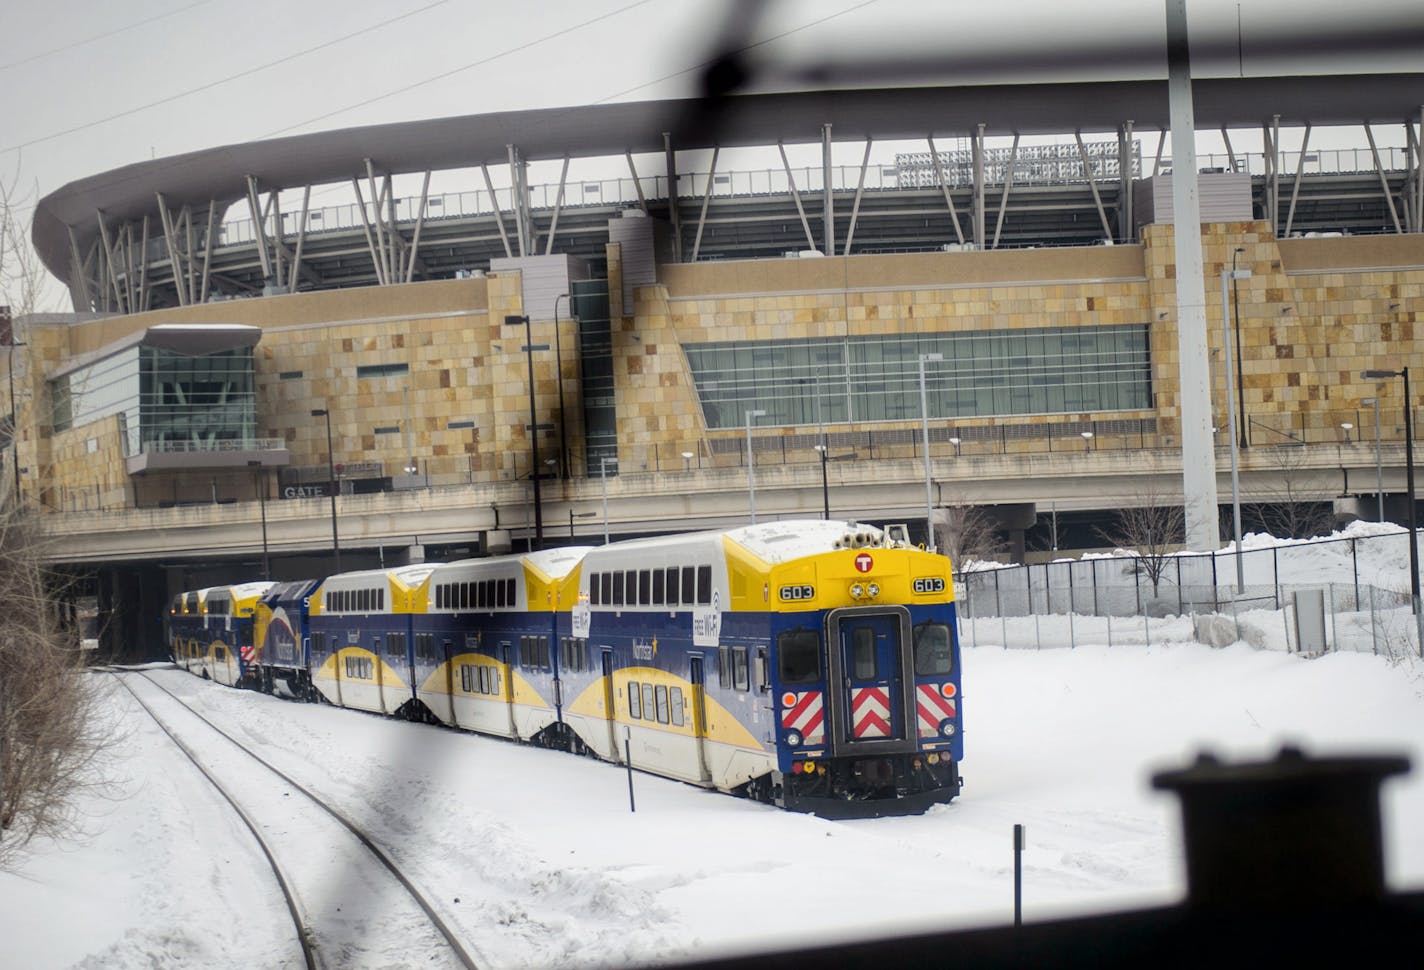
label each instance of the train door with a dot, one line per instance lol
(699, 717)
(447, 652)
(872, 708)
(609, 711)
(506, 691)
(380, 674)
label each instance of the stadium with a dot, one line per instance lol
(977, 311)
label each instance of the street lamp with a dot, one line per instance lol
(751, 470)
(1234, 274)
(1346, 427)
(687, 461)
(1380, 375)
(1379, 460)
(14, 417)
(578, 515)
(535, 471)
(955, 441)
(330, 485)
(1087, 440)
(559, 367)
(256, 467)
(925, 426)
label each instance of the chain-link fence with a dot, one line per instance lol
(1282, 597)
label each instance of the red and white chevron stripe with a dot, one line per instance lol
(870, 712)
(804, 712)
(935, 704)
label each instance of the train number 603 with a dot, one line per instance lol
(929, 584)
(796, 593)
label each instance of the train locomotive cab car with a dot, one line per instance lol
(211, 631)
(360, 628)
(282, 636)
(809, 664)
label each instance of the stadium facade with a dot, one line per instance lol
(218, 373)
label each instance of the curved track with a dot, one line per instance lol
(320, 947)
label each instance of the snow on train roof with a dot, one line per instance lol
(772, 542)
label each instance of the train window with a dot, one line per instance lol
(704, 585)
(658, 578)
(724, 667)
(635, 700)
(675, 702)
(933, 649)
(645, 587)
(689, 585)
(740, 675)
(606, 582)
(649, 705)
(862, 649)
(671, 573)
(661, 694)
(509, 598)
(763, 670)
(618, 589)
(318, 642)
(466, 681)
(595, 589)
(630, 587)
(799, 653)
(424, 646)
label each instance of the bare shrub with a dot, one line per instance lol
(1152, 531)
(50, 737)
(970, 534)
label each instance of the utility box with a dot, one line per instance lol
(1309, 620)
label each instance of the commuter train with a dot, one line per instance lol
(812, 665)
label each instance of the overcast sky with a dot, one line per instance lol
(90, 85)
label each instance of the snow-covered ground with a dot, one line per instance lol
(535, 856)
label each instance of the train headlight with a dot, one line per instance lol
(793, 738)
(946, 728)
(932, 757)
(874, 589)
(857, 591)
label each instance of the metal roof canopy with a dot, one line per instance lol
(590, 131)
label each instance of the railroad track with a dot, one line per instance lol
(347, 898)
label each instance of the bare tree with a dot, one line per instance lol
(22, 276)
(1153, 531)
(969, 534)
(49, 735)
(1291, 512)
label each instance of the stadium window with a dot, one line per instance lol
(289, 375)
(366, 371)
(635, 700)
(661, 694)
(740, 674)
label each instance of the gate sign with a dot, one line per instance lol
(864, 563)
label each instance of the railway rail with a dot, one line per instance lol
(327, 936)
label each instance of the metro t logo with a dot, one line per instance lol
(864, 563)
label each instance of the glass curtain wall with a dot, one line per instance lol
(1043, 370)
(589, 304)
(196, 403)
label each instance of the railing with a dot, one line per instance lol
(188, 446)
(768, 182)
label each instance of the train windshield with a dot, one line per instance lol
(800, 652)
(933, 649)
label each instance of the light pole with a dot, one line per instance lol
(1379, 375)
(821, 448)
(14, 418)
(925, 427)
(687, 461)
(535, 471)
(1346, 427)
(256, 467)
(1240, 369)
(751, 470)
(955, 441)
(1234, 274)
(1087, 440)
(603, 482)
(1379, 460)
(559, 367)
(330, 486)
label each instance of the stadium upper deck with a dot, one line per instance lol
(162, 233)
